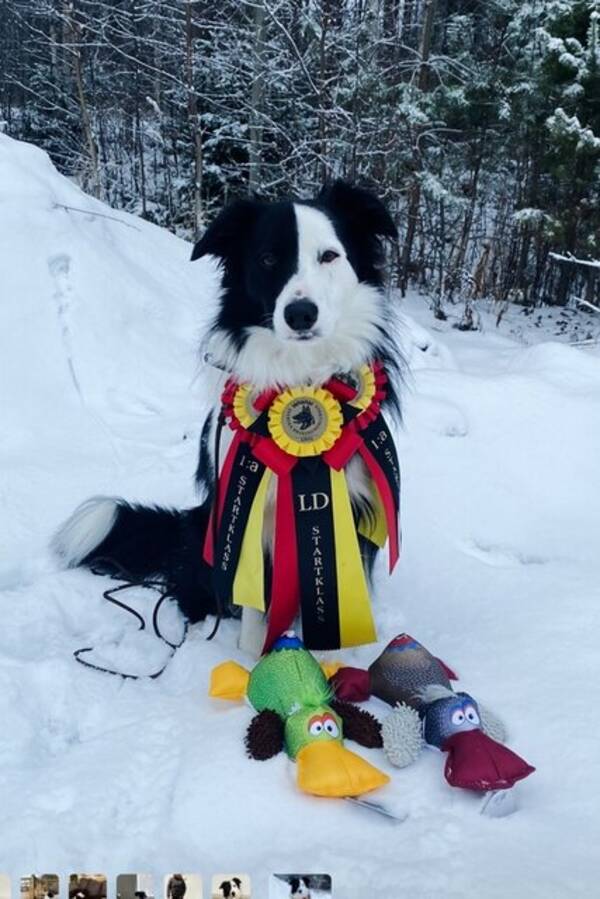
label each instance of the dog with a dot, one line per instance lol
(231, 889)
(299, 888)
(302, 299)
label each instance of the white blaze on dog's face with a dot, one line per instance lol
(311, 304)
(301, 287)
(231, 889)
(299, 888)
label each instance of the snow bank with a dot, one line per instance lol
(100, 316)
(101, 392)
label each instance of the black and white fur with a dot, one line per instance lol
(299, 888)
(231, 889)
(302, 298)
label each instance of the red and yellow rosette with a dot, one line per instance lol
(243, 406)
(366, 387)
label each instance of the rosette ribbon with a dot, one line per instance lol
(292, 448)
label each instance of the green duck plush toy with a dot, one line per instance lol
(297, 712)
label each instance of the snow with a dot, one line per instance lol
(593, 263)
(562, 125)
(102, 392)
(530, 216)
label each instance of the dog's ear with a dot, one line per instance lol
(225, 888)
(295, 883)
(237, 882)
(359, 206)
(224, 235)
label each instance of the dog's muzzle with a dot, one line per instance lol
(301, 315)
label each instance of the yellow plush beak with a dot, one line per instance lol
(229, 681)
(331, 668)
(326, 768)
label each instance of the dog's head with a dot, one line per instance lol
(299, 888)
(231, 889)
(301, 285)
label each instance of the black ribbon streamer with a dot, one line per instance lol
(313, 511)
(380, 443)
(246, 474)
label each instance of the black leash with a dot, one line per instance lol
(215, 516)
(119, 574)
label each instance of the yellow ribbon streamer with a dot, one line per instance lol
(373, 525)
(356, 620)
(249, 581)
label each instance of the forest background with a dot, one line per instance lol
(477, 121)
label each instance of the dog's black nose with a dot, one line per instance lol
(301, 315)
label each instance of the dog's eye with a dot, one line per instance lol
(268, 260)
(329, 256)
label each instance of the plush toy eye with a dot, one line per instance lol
(329, 256)
(331, 727)
(315, 726)
(471, 715)
(458, 717)
(268, 260)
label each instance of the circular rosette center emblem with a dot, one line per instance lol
(305, 421)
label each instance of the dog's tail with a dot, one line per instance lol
(141, 543)
(137, 540)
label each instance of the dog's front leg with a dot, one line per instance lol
(253, 632)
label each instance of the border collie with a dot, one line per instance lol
(299, 888)
(231, 889)
(302, 299)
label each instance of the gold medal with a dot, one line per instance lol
(305, 421)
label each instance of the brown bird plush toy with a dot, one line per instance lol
(429, 712)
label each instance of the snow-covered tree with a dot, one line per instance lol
(479, 123)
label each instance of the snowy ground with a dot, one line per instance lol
(101, 391)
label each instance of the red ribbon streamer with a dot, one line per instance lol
(285, 591)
